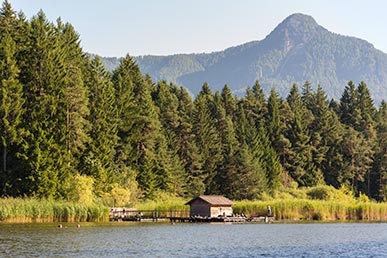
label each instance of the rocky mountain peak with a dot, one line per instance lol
(296, 29)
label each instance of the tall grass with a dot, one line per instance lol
(41, 210)
(305, 209)
(163, 202)
(343, 209)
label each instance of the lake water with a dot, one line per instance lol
(194, 240)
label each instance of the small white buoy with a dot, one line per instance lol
(78, 226)
(60, 226)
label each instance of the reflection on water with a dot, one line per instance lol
(194, 240)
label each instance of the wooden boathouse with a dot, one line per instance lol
(204, 208)
(210, 206)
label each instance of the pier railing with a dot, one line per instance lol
(140, 215)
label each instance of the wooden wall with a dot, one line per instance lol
(221, 211)
(200, 208)
(204, 209)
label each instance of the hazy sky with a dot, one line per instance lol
(160, 27)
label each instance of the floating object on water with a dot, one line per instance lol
(60, 226)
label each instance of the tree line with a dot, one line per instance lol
(66, 120)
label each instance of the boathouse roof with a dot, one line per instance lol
(213, 200)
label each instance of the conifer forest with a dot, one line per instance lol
(68, 124)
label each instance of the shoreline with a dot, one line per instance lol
(18, 210)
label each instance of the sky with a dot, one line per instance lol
(163, 27)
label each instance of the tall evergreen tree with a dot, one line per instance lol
(75, 94)
(380, 165)
(349, 113)
(99, 159)
(301, 165)
(365, 105)
(11, 102)
(273, 118)
(326, 138)
(206, 134)
(358, 157)
(189, 153)
(167, 103)
(44, 88)
(228, 101)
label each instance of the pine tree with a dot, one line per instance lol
(254, 105)
(307, 95)
(365, 105)
(189, 153)
(325, 137)
(270, 162)
(168, 145)
(380, 165)
(99, 158)
(228, 101)
(206, 134)
(139, 127)
(44, 88)
(75, 94)
(349, 112)
(273, 119)
(11, 102)
(358, 156)
(300, 165)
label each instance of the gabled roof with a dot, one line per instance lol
(213, 200)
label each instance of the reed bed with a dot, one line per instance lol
(168, 204)
(41, 210)
(305, 209)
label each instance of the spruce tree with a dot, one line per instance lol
(75, 94)
(168, 146)
(189, 153)
(45, 119)
(379, 189)
(207, 138)
(11, 104)
(349, 112)
(99, 158)
(273, 119)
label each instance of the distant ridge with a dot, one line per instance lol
(298, 49)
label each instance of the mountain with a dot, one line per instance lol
(298, 49)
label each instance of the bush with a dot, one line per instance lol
(81, 190)
(323, 192)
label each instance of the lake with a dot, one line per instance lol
(194, 240)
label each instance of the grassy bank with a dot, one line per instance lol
(304, 209)
(164, 202)
(37, 210)
(316, 203)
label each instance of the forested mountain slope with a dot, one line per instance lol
(298, 49)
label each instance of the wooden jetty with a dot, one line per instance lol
(173, 216)
(203, 208)
(125, 214)
(199, 219)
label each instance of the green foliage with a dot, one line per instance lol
(81, 190)
(70, 130)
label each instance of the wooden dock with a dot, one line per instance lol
(177, 216)
(196, 219)
(173, 216)
(123, 214)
